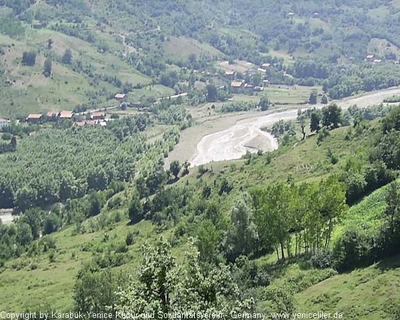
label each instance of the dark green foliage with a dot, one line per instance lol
(264, 104)
(208, 238)
(355, 248)
(130, 239)
(242, 238)
(313, 97)
(136, 213)
(322, 259)
(241, 106)
(175, 168)
(95, 204)
(78, 161)
(29, 58)
(315, 121)
(51, 223)
(331, 116)
(47, 68)
(225, 187)
(95, 289)
(212, 94)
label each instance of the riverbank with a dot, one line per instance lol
(210, 140)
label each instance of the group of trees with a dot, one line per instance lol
(9, 147)
(161, 287)
(360, 247)
(17, 238)
(77, 161)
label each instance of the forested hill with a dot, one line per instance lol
(336, 27)
(83, 52)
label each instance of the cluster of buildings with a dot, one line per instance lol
(95, 118)
(3, 123)
(371, 58)
(240, 86)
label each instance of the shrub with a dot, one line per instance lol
(322, 260)
(130, 239)
(355, 248)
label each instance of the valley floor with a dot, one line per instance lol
(198, 143)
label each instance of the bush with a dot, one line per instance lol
(322, 260)
(130, 239)
(122, 248)
(355, 248)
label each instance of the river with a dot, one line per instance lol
(235, 141)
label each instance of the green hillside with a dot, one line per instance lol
(44, 276)
(170, 44)
(108, 217)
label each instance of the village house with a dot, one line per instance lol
(3, 123)
(34, 118)
(369, 58)
(230, 74)
(65, 115)
(98, 115)
(90, 122)
(249, 88)
(51, 116)
(265, 66)
(37, 25)
(80, 123)
(122, 97)
(236, 86)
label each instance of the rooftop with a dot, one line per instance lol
(236, 84)
(34, 116)
(66, 114)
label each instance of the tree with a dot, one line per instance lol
(324, 99)
(331, 116)
(25, 198)
(162, 287)
(186, 166)
(264, 103)
(47, 67)
(29, 58)
(212, 93)
(24, 234)
(95, 204)
(95, 290)
(273, 211)
(392, 210)
(14, 141)
(175, 168)
(51, 223)
(67, 56)
(135, 209)
(315, 121)
(313, 97)
(207, 241)
(242, 238)
(33, 218)
(49, 43)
